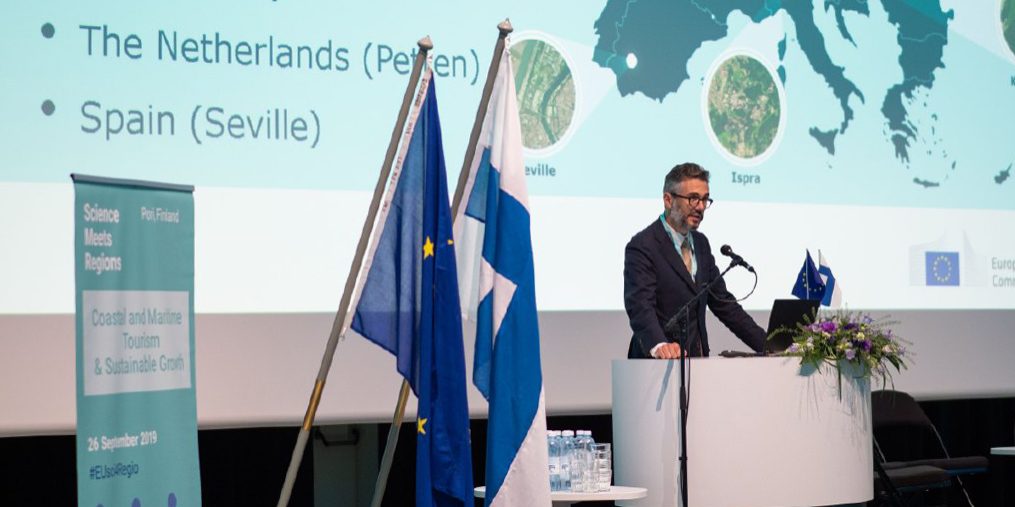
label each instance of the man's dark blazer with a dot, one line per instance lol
(656, 285)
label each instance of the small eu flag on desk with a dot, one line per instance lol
(808, 282)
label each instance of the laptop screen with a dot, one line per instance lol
(786, 314)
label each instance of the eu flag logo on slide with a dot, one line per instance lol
(942, 268)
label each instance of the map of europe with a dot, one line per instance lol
(921, 29)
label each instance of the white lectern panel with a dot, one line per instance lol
(761, 433)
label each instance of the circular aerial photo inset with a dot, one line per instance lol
(1008, 23)
(743, 106)
(546, 92)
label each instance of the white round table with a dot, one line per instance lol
(1002, 474)
(565, 498)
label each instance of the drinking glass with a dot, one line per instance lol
(603, 466)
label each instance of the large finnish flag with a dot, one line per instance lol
(498, 293)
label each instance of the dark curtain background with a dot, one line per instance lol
(245, 467)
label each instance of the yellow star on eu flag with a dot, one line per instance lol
(427, 248)
(420, 423)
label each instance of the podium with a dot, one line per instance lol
(762, 432)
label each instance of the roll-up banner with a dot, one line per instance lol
(136, 405)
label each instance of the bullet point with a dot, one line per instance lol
(48, 30)
(48, 107)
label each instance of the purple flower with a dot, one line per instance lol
(828, 326)
(794, 348)
(850, 354)
(867, 345)
(849, 326)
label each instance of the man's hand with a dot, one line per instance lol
(667, 351)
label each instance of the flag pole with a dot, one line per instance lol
(807, 275)
(389, 447)
(425, 45)
(505, 28)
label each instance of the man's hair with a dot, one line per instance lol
(681, 172)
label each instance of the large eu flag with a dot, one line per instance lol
(409, 306)
(808, 282)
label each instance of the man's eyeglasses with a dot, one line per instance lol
(694, 200)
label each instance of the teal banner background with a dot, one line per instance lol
(136, 405)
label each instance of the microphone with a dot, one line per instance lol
(737, 260)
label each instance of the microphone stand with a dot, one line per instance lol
(681, 319)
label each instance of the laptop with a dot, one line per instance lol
(786, 314)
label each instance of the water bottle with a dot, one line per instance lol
(553, 443)
(591, 485)
(581, 466)
(566, 453)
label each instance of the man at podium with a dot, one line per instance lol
(668, 264)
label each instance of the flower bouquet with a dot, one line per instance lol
(849, 339)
